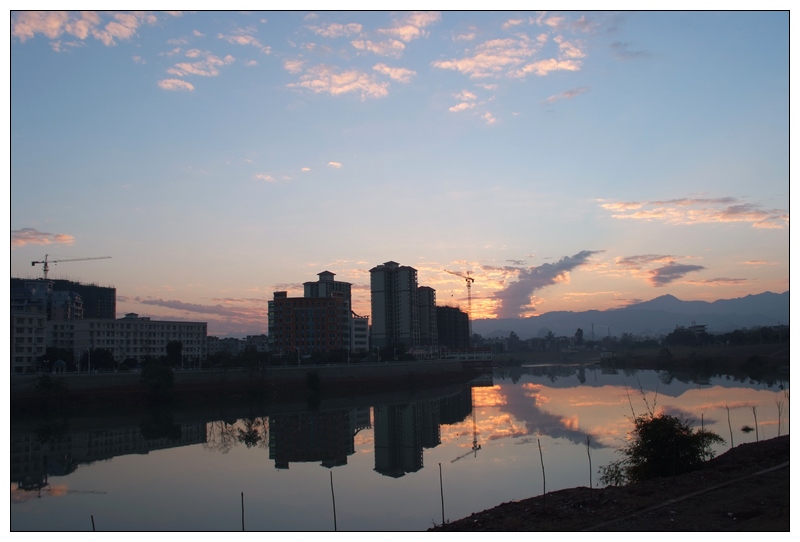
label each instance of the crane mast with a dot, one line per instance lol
(46, 262)
(469, 280)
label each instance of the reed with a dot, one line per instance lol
(755, 418)
(730, 429)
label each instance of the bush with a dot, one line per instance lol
(661, 445)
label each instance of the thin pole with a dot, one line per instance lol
(333, 498)
(544, 485)
(242, 510)
(441, 490)
(93, 523)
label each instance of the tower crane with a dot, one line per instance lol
(475, 445)
(469, 280)
(46, 262)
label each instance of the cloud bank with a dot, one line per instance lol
(688, 211)
(517, 295)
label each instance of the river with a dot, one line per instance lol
(399, 464)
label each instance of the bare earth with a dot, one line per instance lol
(745, 489)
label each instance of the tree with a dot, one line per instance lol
(579, 336)
(661, 445)
(174, 351)
(99, 358)
(158, 378)
(53, 354)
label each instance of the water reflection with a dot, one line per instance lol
(56, 447)
(485, 435)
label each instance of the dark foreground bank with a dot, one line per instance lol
(745, 489)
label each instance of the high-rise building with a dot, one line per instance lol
(428, 334)
(453, 326)
(395, 305)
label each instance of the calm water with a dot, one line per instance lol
(379, 462)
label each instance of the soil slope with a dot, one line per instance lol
(745, 489)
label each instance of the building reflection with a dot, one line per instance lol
(402, 430)
(327, 437)
(38, 454)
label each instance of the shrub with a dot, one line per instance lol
(661, 445)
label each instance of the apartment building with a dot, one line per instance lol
(308, 324)
(395, 305)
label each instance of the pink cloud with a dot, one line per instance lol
(175, 84)
(324, 79)
(686, 211)
(31, 236)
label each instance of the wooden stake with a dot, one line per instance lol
(333, 498)
(441, 490)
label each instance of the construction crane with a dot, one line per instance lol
(46, 262)
(469, 280)
(475, 445)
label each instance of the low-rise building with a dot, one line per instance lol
(138, 337)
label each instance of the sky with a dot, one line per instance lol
(566, 161)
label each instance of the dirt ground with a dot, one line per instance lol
(745, 489)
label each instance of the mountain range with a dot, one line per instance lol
(658, 316)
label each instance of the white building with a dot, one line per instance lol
(359, 333)
(137, 337)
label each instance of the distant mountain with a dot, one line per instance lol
(658, 316)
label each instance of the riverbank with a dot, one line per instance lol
(768, 362)
(310, 384)
(745, 489)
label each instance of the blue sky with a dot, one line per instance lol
(569, 161)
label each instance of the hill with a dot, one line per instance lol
(658, 316)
